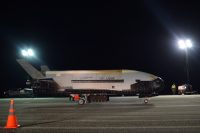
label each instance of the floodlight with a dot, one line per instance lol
(24, 53)
(188, 43)
(182, 44)
(30, 52)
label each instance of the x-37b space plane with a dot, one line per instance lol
(92, 85)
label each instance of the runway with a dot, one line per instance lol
(121, 114)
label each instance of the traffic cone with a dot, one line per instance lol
(12, 119)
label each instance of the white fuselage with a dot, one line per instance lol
(117, 80)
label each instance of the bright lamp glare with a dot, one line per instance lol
(24, 53)
(27, 53)
(188, 43)
(181, 44)
(30, 52)
(184, 44)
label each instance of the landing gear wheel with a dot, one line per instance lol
(81, 101)
(146, 101)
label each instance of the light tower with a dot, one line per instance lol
(185, 45)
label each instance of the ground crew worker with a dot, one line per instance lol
(71, 97)
(173, 88)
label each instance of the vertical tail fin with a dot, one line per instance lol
(32, 71)
(44, 68)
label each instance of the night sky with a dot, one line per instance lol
(72, 35)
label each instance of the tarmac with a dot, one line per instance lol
(174, 114)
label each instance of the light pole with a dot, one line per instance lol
(28, 53)
(185, 45)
